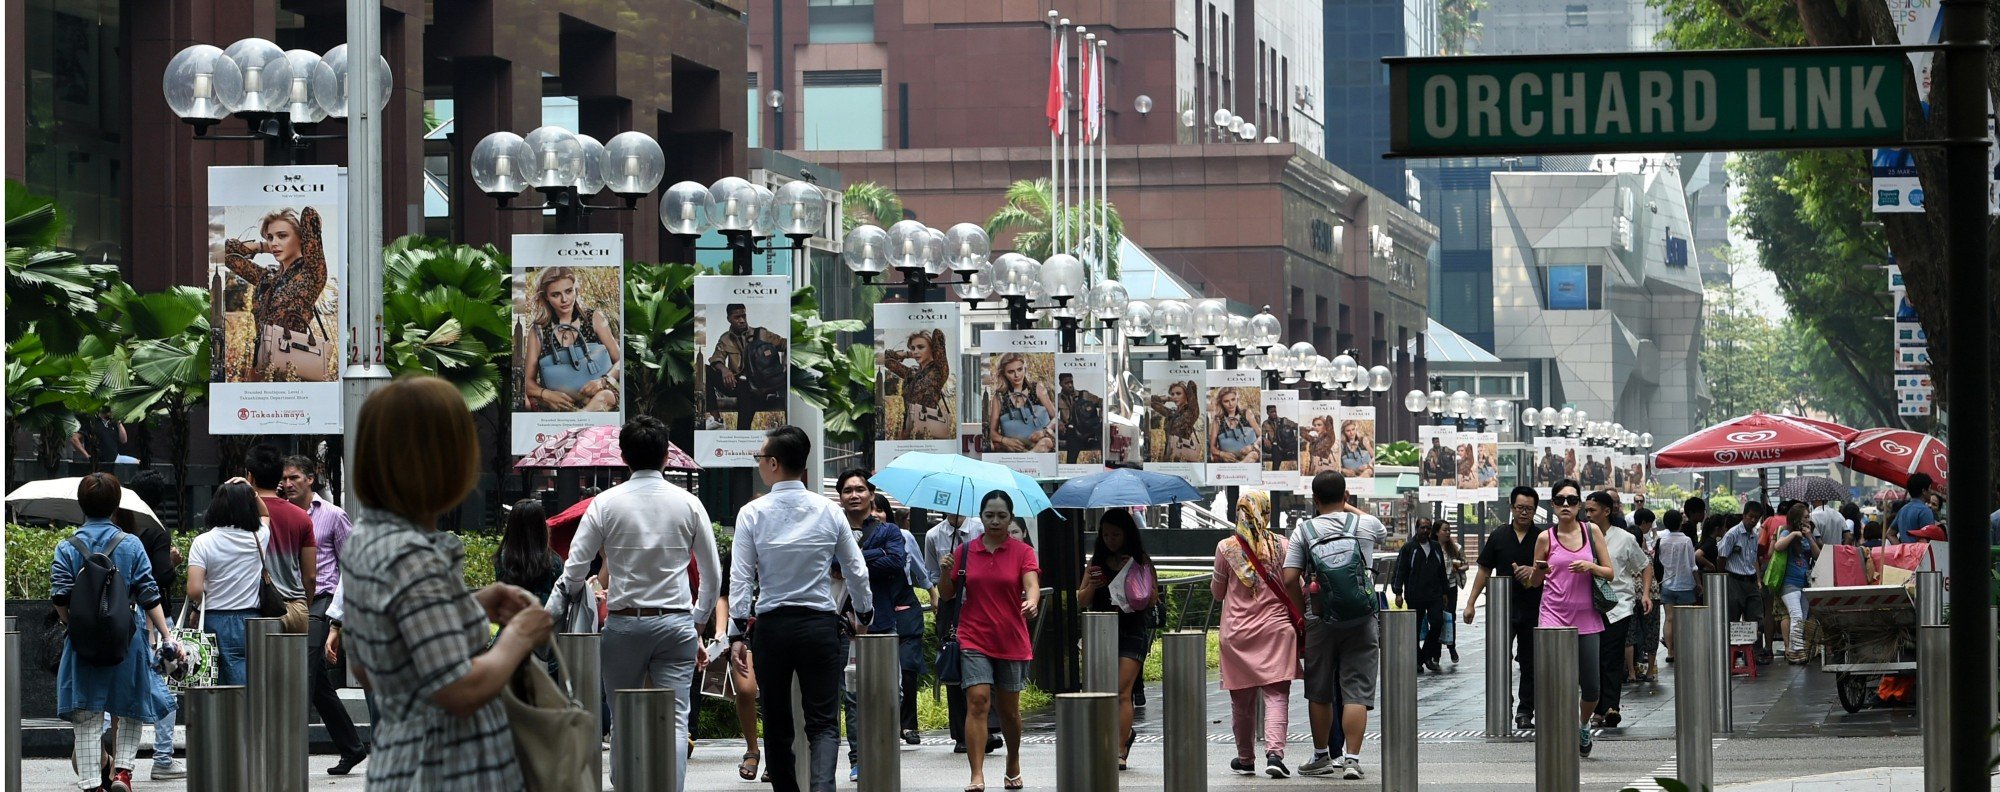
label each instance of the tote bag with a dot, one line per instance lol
(198, 647)
(555, 738)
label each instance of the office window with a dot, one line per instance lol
(840, 21)
(1577, 15)
(1573, 288)
(750, 131)
(843, 111)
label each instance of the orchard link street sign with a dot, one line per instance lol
(1726, 100)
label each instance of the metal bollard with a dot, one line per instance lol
(1086, 742)
(1184, 667)
(1557, 698)
(283, 706)
(1499, 657)
(13, 737)
(582, 651)
(1694, 719)
(1717, 584)
(256, 678)
(1399, 701)
(1930, 598)
(13, 624)
(218, 729)
(1100, 653)
(645, 749)
(1933, 704)
(877, 693)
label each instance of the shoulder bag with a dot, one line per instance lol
(270, 603)
(1601, 596)
(949, 653)
(555, 738)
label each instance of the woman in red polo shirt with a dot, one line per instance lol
(1003, 590)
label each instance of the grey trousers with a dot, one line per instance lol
(651, 652)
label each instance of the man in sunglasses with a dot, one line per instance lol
(1509, 553)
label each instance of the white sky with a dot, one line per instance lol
(1755, 284)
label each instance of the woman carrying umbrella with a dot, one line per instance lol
(1000, 581)
(1260, 634)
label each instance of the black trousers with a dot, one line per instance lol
(803, 643)
(325, 697)
(1433, 616)
(1611, 663)
(1524, 656)
(909, 703)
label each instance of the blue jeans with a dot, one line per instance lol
(163, 729)
(228, 628)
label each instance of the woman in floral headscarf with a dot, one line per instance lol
(1260, 633)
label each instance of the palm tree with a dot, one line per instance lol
(1027, 215)
(868, 202)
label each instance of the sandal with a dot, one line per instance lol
(1012, 782)
(975, 788)
(747, 769)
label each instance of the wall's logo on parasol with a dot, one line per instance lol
(1942, 463)
(1725, 456)
(1894, 448)
(1759, 436)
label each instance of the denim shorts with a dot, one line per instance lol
(1672, 597)
(978, 669)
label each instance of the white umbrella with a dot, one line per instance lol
(55, 499)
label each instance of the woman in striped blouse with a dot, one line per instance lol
(420, 636)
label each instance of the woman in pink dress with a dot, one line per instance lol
(1568, 557)
(1260, 634)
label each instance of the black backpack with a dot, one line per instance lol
(100, 607)
(764, 365)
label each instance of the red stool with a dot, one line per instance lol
(1746, 653)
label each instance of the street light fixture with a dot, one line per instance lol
(567, 169)
(275, 92)
(750, 217)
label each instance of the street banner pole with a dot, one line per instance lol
(363, 291)
(1499, 661)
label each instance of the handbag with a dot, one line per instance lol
(1141, 586)
(1601, 596)
(279, 347)
(270, 603)
(950, 656)
(199, 648)
(569, 367)
(555, 738)
(1291, 609)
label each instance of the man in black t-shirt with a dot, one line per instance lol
(1509, 553)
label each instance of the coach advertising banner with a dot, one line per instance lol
(1319, 439)
(1553, 457)
(1438, 482)
(917, 351)
(1017, 373)
(569, 325)
(1356, 448)
(1280, 440)
(1478, 467)
(1235, 410)
(277, 260)
(1081, 378)
(742, 364)
(1628, 476)
(1176, 435)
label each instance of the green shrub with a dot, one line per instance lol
(479, 550)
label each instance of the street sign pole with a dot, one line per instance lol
(1963, 37)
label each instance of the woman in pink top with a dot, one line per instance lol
(1003, 590)
(1564, 568)
(1260, 634)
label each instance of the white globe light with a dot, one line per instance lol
(1265, 328)
(1299, 357)
(978, 284)
(1461, 403)
(332, 82)
(557, 157)
(1138, 320)
(1415, 401)
(801, 209)
(1008, 277)
(764, 224)
(590, 173)
(1211, 318)
(907, 239)
(1565, 418)
(267, 76)
(1479, 408)
(966, 247)
(299, 104)
(634, 165)
(1062, 277)
(1380, 379)
(1235, 333)
(1436, 402)
(1107, 300)
(1173, 319)
(1531, 417)
(865, 250)
(684, 209)
(500, 163)
(934, 252)
(202, 84)
(730, 199)
(1344, 368)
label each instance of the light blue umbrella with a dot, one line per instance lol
(1124, 487)
(954, 484)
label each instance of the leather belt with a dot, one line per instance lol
(645, 612)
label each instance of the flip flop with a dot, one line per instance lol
(975, 788)
(747, 769)
(1012, 782)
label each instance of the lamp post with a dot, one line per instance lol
(567, 169)
(749, 216)
(281, 95)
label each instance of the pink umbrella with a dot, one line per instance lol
(590, 447)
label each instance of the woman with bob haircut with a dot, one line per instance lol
(420, 637)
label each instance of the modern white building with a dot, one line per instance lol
(1597, 284)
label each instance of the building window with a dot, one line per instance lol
(1573, 288)
(756, 110)
(1577, 15)
(843, 111)
(840, 21)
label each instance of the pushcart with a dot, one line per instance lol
(1863, 633)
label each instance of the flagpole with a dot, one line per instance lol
(1057, 236)
(1104, 160)
(1055, 30)
(1086, 247)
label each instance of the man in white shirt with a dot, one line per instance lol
(786, 542)
(648, 529)
(1831, 526)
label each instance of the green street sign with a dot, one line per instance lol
(1718, 100)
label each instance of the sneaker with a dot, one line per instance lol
(1274, 766)
(1353, 767)
(1433, 666)
(347, 763)
(172, 769)
(121, 781)
(853, 774)
(1583, 741)
(1321, 764)
(1242, 766)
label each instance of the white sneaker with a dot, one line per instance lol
(169, 771)
(1353, 767)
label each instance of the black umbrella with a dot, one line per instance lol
(1813, 488)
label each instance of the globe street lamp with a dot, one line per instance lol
(277, 93)
(749, 217)
(567, 169)
(923, 255)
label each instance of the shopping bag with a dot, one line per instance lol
(198, 649)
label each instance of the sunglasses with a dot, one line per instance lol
(1566, 500)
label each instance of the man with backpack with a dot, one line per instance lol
(1329, 572)
(96, 578)
(749, 365)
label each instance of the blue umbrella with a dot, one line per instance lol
(954, 484)
(1124, 487)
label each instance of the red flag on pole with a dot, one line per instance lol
(1086, 88)
(1057, 75)
(1096, 94)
